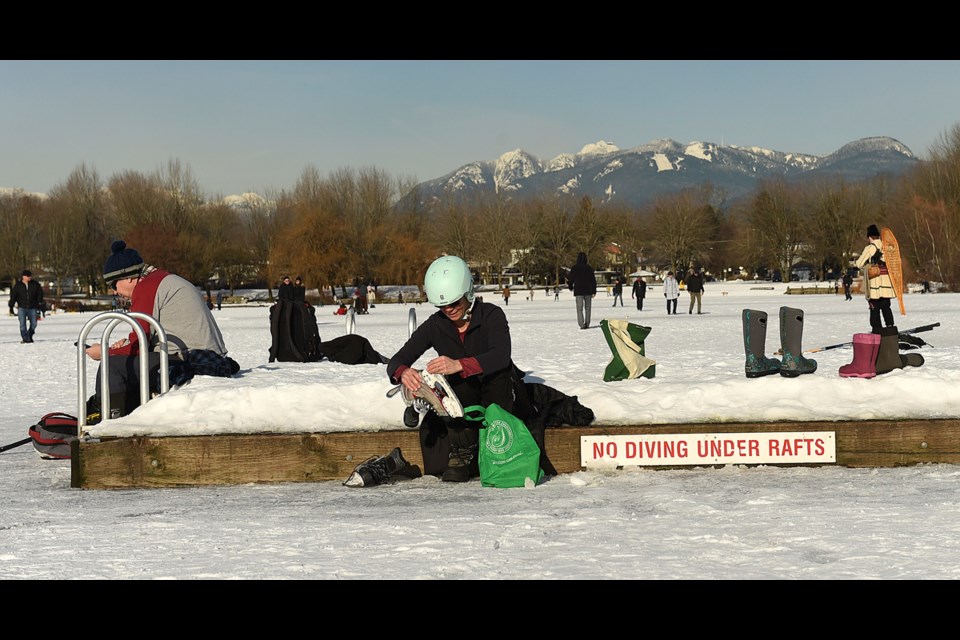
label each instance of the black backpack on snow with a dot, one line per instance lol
(294, 332)
(296, 338)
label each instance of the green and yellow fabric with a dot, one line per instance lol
(625, 340)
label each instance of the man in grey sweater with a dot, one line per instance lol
(194, 342)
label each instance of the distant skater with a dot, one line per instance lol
(618, 291)
(639, 292)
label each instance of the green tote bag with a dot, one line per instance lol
(508, 454)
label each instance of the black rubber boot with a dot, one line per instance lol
(791, 338)
(911, 360)
(462, 465)
(754, 344)
(888, 357)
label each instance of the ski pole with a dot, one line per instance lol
(14, 445)
(926, 327)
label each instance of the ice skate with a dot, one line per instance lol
(434, 394)
(377, 470)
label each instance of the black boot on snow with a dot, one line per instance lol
(791, 337)
(376, 470)
(462, 465)
(888, 357)
(754, 344)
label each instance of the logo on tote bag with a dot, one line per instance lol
(499, 437)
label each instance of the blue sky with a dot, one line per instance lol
(255, 125)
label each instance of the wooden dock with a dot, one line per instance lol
(141, 462)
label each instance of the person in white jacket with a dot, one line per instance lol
(671, 291)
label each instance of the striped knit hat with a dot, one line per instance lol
(122, 263)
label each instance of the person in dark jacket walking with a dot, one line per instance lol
(27, 295)
(639, 292)
(472, 341)
(695, 288)
(583, 283)
(618, 291)
(847, 284)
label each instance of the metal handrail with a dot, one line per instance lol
(116, 318)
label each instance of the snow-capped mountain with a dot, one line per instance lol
(635, 176)
(246, 202)
(15, 192)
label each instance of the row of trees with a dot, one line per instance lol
(356, 225)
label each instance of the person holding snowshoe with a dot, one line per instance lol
(878, 287)
(472, 341)
(194, 342)
(879, 291)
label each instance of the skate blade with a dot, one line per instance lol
(355, 480)
(394, 391)
(444, 395)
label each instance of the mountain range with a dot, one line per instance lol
(634, 177)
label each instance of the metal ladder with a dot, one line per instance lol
(116, 318)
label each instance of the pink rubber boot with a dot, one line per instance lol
(865, 349)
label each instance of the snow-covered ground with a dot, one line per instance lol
(735, 522)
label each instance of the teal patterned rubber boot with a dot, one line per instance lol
(791, 337)
(754, 343)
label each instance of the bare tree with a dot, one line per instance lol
(84, 201)
(259, 227)
(929, 212)
(624, 230)
(778, 224)
(589, 230)
(557, 237)
(495, 233)
(454, 230)
(19, 233)
(682, 227)
(135, 199)
(838, 214)
(62, 232)
(183, 195)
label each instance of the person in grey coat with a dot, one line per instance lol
(583, 283)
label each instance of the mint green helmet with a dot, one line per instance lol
(448, 279)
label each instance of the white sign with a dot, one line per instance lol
(675, 449)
